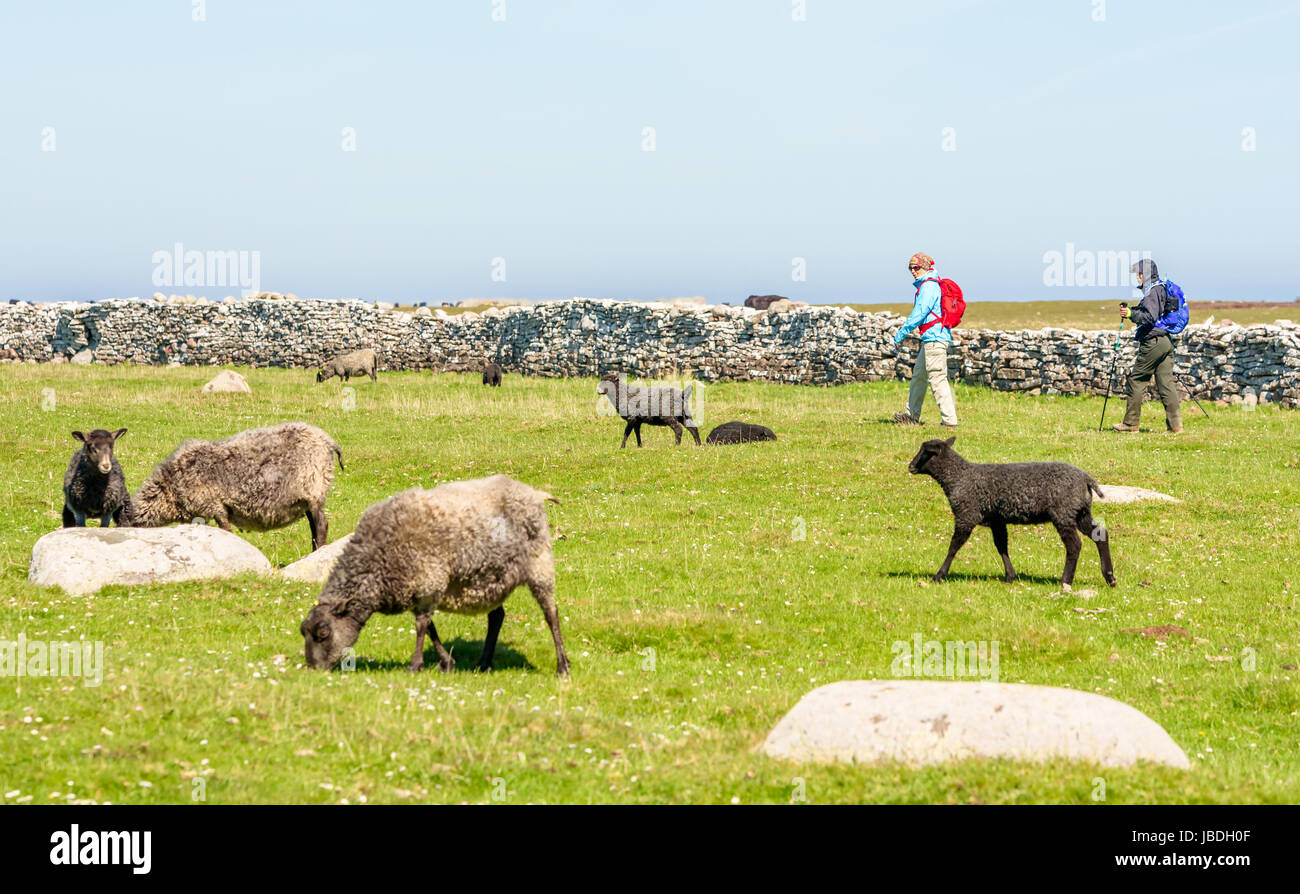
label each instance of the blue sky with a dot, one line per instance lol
(523, 139)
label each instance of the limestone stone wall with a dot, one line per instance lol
(586, 337)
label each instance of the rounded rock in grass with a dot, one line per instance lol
(930, 722)
(83, 560)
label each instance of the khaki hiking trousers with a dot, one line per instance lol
(932, 368)
(1155, 357)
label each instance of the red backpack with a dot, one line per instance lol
(951, 304)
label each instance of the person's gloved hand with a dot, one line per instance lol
(1126, 313)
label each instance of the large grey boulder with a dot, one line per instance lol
(316, 566)
(82, 560)
(926, 722)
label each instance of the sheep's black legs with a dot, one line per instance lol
(1000, 541)
(959, 536)
(445, 661)
(544, 593)
(638, 433)
(627, 431)
(69, 519)
(1070, 537)
(320, 526)
(677, 430)
(421, 625)
(695, 432)
(495, 617)
(1101, 537)
(424, 623)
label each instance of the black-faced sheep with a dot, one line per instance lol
(492, 375)
(356, 363)
(258, 480)
(740, 433)
(650, 405)
(93, 485)
(460, 547)
(1001, 494)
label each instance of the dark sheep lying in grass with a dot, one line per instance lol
(93, 485)
(492, 375)
(1001, 494)
(739, 433)
(258, 480)
(460, 547)
(357, 363)
(650, 405)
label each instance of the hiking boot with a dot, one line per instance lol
(1124, 427)
(1173, 429)
(906, 419)
(953, 426)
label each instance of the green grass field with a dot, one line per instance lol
(694, 614)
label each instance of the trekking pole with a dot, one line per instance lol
(1191, 392)
(1113, 366)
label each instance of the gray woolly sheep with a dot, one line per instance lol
(257, 480)
(1001, 494)
(492, 375)
(650, 405)
(357, 363)
(93, 485)
(739, 433)
(460, 547)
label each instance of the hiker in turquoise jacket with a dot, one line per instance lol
(932, 360)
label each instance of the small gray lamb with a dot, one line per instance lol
(93, 485)
(650, 405)
(461, 547)
(999, 494)
(258, 480)
(356, 363)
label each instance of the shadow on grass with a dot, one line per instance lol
(466, 652)
(958, 576)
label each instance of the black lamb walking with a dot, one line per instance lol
(1001, 494)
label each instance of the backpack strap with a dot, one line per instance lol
(939, 314)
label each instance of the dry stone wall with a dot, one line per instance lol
(586, 337)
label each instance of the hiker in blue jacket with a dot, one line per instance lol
(1155, 356)
(932, 360)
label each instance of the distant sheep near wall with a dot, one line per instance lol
(492, 374)
(740, 433)
(460, 547)
(356, 363)
(93, 485)
(650, 405)
(999, 494)
(257, 480)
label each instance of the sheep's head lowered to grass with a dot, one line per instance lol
(327, 632)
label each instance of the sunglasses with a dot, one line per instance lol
(914, 267)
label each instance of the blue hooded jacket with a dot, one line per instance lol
(927, 306)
